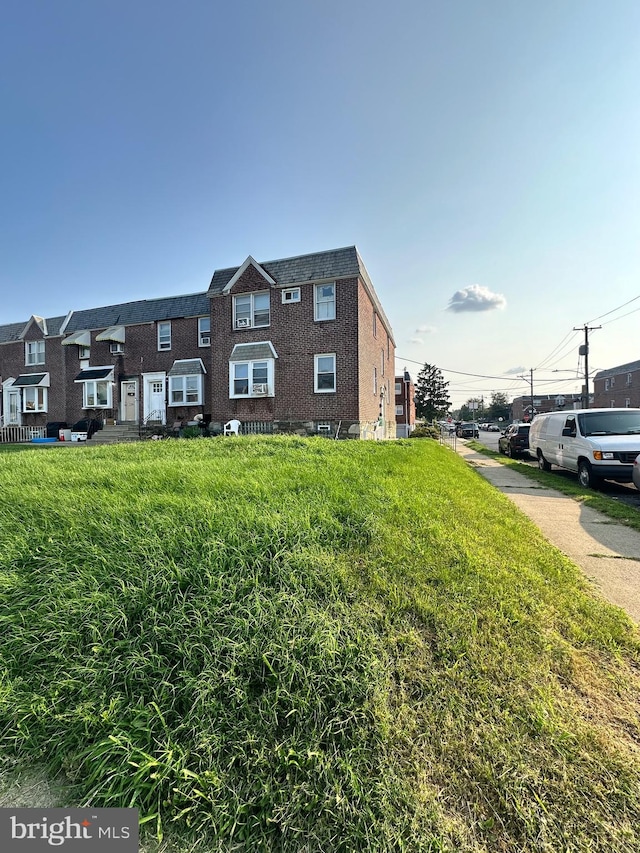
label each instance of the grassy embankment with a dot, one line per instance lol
(304, 645)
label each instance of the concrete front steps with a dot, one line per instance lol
(115, 434)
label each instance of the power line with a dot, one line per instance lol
(613, 311)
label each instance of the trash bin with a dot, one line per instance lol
(64, 435)
(53, 428)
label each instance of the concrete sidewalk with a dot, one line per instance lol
(607, 552)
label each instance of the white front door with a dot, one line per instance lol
(155, 407)
(11, 403)
(129, 400)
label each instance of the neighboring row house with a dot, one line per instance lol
(405, 405)
(521, 406)
(299, 344)
(618, 387)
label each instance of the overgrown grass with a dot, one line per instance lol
(567, 483)
(303, 645)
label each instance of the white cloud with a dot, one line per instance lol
(416, 341)
(475, 298)
(515, 370)
(426, 330)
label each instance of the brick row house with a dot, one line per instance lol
(299, 344)
(405, 405)
(618, 387)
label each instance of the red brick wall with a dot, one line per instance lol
(296, 337)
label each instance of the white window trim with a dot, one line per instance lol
(251, 394)
(316, 359)
(182, 380)
(295, 295)
(85, 392)
(324, 302)
(161, 347)
(204, 336)
(251, 324)
(45, 399)
(38, 353)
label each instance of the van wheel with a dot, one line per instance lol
(543, 465)
(585, 475)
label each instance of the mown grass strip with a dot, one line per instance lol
(568, 485)
(284, 644)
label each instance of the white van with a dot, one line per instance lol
(596, 443)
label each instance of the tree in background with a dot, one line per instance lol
(431, 394)
(499, 407)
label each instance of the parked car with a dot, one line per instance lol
(515, 440)
(595, 443)
(635, 474)
(493, 428)
(468, 430)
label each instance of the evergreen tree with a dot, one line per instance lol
(499, 407)
(431, 394)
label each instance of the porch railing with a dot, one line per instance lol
(14, 434)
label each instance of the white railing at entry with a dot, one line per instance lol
(14, 434)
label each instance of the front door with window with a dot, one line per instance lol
(12, 407)
(154, 397)
(129, 400)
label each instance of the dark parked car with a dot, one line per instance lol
(635, 474)
(514, 441)
(468, 430)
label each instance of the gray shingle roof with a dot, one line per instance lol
(337, 263)
(252, 352)
(143, 311)
(319, 266)
(614, 371)
(187, 367)
(13, 331)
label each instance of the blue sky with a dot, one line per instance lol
(483, 156)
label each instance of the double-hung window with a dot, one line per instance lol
(185, 390)
(204, 331)
(325, 301)
(251, 310)
(34, 352)
(324, 373)
(164, 335)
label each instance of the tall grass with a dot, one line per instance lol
(303, 645)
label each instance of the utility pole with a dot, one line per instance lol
(584, 350)
(531, 381)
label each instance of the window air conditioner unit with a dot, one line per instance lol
(205, 341)
(243, 323)
(260, 388)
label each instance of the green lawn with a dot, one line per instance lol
(282, 644)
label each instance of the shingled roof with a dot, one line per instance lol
(631, 367)
(13, 331)
(319, 266)
(142, 311)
